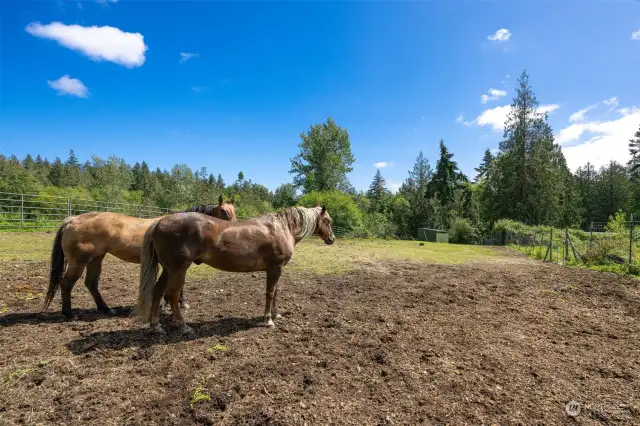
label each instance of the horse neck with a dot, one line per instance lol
(300, 222)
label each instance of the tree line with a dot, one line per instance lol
(526, 180)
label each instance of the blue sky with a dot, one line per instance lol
(399, 76)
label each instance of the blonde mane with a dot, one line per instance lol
(300, 221)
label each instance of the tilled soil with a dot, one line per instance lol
(500, 343)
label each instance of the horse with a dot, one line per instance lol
(84, 240)
(264, 243)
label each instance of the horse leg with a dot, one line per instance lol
(176, 283)
(73, 274)
(182, 304)
(273, 274)
(274, 310)
(158, 292)
(91, 281)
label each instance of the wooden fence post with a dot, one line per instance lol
(68, 207)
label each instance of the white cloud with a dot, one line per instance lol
(579, 115)
(381, 164)
(98, 43)
(394, 186)
(497, 116)
(608, 140)
(611, 103)
(502, 34)
(184, 57)
(493, 95)
(635, 35)
(66, 85)
(460, 119)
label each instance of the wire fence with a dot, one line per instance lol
(24, 212)
(616, 246)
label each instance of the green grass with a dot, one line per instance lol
(310, 255)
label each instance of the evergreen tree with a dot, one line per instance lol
(634, 150)
(530, 169)
(420, 210)
(28, 162)
(377, 190)
(284, 196)
(444, 183)
(483, 168)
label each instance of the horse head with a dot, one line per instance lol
(226, 210)
(323, 226)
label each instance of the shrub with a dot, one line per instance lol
(462, 231)
(342, 207)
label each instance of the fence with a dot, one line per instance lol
(601, 243)
(41, 212)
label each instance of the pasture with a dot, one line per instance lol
(374, 332)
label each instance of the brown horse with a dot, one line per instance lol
(83, 241)
(264, 243)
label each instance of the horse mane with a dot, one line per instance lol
(301, 221)
(207, 209)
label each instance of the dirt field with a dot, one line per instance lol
(498, 340)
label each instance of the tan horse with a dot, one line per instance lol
(84, 240)
(265, 243)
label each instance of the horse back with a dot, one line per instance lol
(94, 234)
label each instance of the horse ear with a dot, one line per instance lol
(220, 199)
(324, 209)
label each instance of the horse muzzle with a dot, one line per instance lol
(329, 240)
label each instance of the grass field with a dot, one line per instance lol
(374, 332)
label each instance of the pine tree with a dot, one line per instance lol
(376, 191)
(484, 167)
(530, 169)
(634, 150)
(28, 162)
(444, 183)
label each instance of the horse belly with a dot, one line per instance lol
(229, 263)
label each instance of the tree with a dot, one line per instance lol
(324, 159)
(634, 150)
(530, 170)
(284, 196)
(484, 167)
(376, 192)
(444, 183)
(420, 210)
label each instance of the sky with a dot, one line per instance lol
(230, 86)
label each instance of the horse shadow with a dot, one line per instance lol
(143, 337)
(82, 315)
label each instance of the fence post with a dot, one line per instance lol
(68, 207)
(630, 239)
(21, 210)
(590, 236)
(139, 211)
(566, 245)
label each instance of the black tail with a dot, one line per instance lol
(57, 266)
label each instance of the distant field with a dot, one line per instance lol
(311, 254)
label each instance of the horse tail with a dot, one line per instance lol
(58, 263)
(148, 274)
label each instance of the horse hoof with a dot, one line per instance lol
(110, 312)
(269, 323)
(157, 329)
(188, 331)
(277, 317)
(184, 306)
